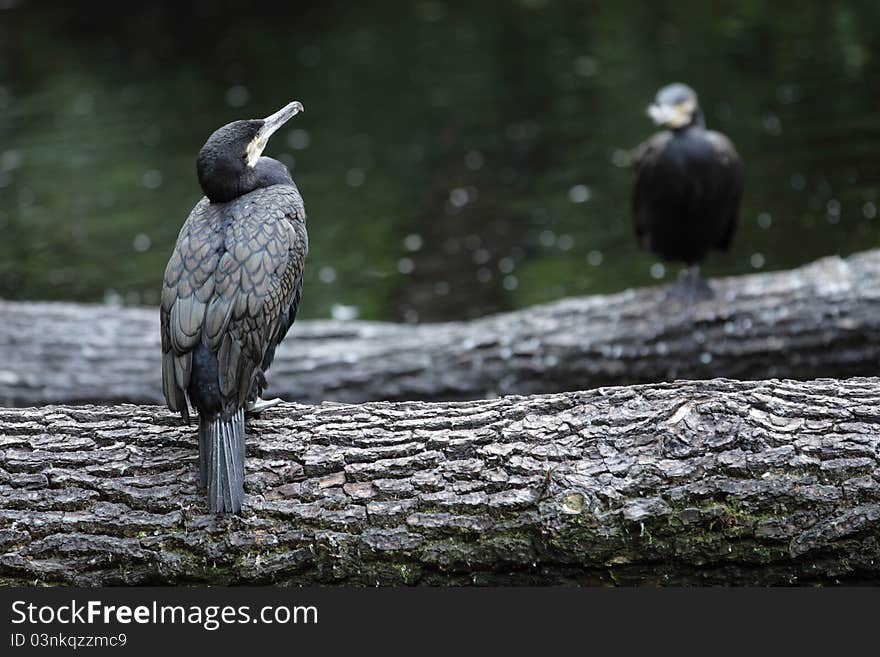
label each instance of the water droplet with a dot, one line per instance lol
(152, 179)
(406, 266)
(472, 242)
(142, 242)
(565, 242)
(237, 96)
(579, 194)
(787, 94)
(112, 297)
(506, 265)
(474, 160)
(621, 158)
(594, 258)
(327, 274)
(481, 256)
(772, 125)
(658, 270)
(355, 177)
(765, 220)
(869, 210)
(757, 260)
(412, 242)
(298, 139)
(510, 282)
(586, 66)
(547, 238)
(10, 160)
(343, 313)
(458, 197)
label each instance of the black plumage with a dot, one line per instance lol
(689, 182)
(231, 292)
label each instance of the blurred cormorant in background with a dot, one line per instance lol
(688, 187)
(231, 292)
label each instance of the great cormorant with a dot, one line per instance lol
(689, 183)
(231, 292)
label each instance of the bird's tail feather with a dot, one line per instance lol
(221, 461)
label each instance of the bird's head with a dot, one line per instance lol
(227, 162)
(675, 107)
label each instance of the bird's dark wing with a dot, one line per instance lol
(645, 161)
(729, 162)
(187, 288)
(243, 306)
(284, 326)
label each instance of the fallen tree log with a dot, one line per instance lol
(819, 320)
(773, 482)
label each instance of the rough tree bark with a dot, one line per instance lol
(773, 482)
(820, 320)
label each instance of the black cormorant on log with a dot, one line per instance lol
(231, 292)
(689, 183)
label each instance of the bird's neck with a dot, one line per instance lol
(697, 122)
(227, 184)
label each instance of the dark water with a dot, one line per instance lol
(456, 158)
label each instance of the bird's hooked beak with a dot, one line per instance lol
(270, 124)
(672, 116)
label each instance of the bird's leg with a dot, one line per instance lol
(701, 290)
(695, 287)
(690, 288)
(258, 405)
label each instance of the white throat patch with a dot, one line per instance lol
(255, 150)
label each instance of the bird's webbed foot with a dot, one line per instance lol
(258, 405)
(690, 288)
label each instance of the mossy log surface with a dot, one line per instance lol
(822, 320)
(722, 482)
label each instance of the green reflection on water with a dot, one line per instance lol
(456, 159)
